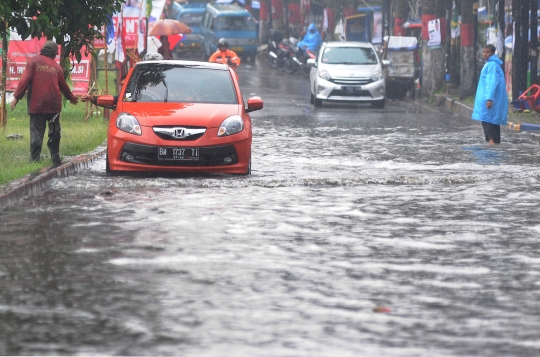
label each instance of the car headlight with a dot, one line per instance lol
(325, 75)
(377, 76)
(128, 123)
(231, 125)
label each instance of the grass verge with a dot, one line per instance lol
(78, 137)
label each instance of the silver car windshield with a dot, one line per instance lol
(170, 83)
(349, 55)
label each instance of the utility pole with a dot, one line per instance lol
(468, 75)
(3, 109)
(520, 14)
(533, 54)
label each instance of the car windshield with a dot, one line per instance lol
(158, 82)
(235, 23)
(349, 55)
(191, 19)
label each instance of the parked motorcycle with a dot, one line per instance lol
(290, 62)
(275, 54)
(301, 55)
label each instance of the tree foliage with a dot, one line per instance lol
(74, 24)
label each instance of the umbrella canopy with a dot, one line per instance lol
(167, 27)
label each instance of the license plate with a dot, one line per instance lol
(237, 49)
(178, 154)
(351, 89)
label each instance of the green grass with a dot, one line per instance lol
(78, 136)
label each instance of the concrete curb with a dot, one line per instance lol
(39, 181)
(453, 106)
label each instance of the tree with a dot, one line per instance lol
(468, 75)
(74, 24)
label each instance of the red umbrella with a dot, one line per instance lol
(167, 27)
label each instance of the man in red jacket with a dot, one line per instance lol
(44, 80)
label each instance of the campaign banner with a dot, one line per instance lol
(131, 26)
(20, 51)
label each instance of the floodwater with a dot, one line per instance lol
(361, 232)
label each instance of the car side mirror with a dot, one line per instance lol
(311, 62)
(386, 63)
(106, 101)
(254, 103)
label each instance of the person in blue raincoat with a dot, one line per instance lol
(491, 101)
(312, 40)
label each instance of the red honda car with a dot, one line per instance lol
(180, 116)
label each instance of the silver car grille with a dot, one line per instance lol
(351, 81)
(179, 133)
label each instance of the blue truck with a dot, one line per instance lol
(191, 46)
(235, 24)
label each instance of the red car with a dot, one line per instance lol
(180, 116)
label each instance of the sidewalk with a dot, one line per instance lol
(39, 181)
(450, 101)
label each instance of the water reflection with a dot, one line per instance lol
(488, 155)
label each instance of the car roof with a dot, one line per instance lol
(348, 44)
(189, 64)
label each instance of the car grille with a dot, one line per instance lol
(208, 156)
(179, 133)
(352, 81)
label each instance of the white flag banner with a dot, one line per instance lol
(119, 55)
(141, 33)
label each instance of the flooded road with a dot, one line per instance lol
(361, 232)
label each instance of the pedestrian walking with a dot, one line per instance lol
(491, 101)
(43, 78)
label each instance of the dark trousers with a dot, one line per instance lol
(38, 123)
(492, 131)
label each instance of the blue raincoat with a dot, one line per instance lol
(312, 40)
(491, 87)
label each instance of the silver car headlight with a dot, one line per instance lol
(377, 75)
(128, 123)
(325, 75)
(232, 125)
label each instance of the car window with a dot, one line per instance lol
(349, 55)
(235, 23)
(191, 19)
(169, 83)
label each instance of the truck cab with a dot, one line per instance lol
(235, 24)
(191, 46)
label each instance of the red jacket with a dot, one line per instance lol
(44, 79)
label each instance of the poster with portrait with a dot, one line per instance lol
(434, 30)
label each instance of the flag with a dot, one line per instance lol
(109, 35)
(454, 24)
(149, 9)
(499, 41)
(120, 38)
(141, 33)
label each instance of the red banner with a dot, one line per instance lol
(20, 51)
(467, 35)
(425, 19)
(131, 24)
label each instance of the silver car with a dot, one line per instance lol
(348, 71)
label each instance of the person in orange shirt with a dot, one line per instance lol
(224, 55)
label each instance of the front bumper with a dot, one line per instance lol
(217, 155)
(338, 91)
